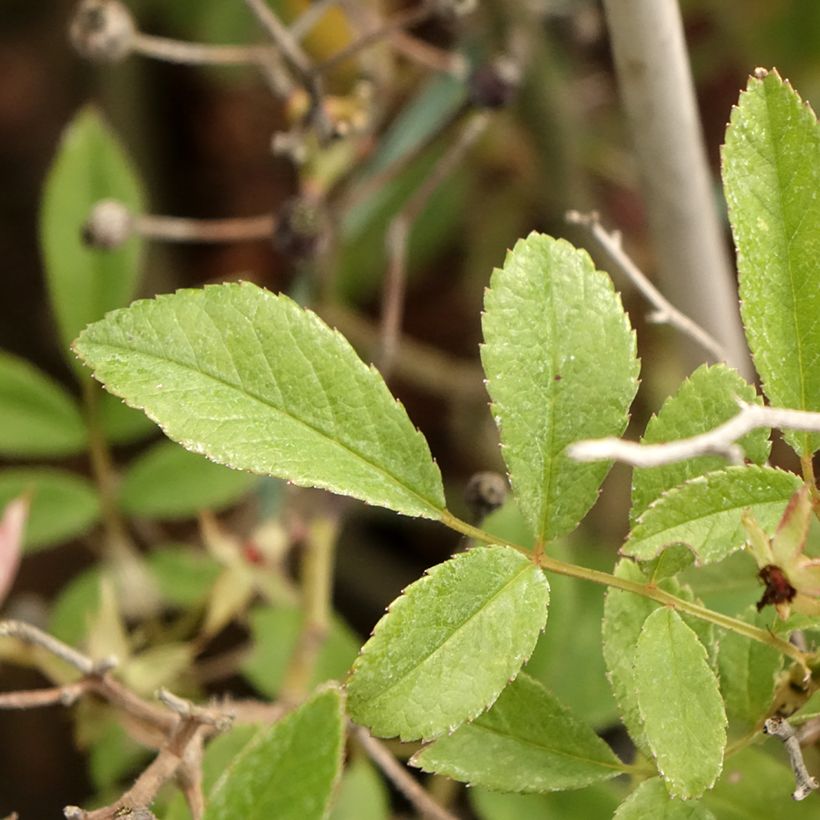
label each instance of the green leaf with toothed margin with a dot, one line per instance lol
(561, 365)
(704, 513)
(680, 704)
(257, 383)
(288, 770)
(651, 799)
(449, 645)
(83, 282)
(704, 401)
(526, 742)
(771, 174)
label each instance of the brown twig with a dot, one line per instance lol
(200, 54)
(398, 235)
(179, 229)
(400, 776)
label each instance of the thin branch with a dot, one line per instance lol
(400, 777)
(37, 698)
(666, 312)
(407, 18)
(805, 783)
(179, 229)
(200, 54)
(305, 22)
(398, 234)
(719, 441)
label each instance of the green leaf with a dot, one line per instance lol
(255, 382)
(184, 575)
(448, 646)
(651, 799)
(748, 670)
(288, 770)
(78, 601)
(704, 401)
(275, 633)
(114, 755)
(39, 417)
(756, 786)
(704, 513)
(122, 424)
(526, 742)
(597, 801)
(680, 704)
(560, 360)
(83, 282)
(168, 482)
(771, 173)
(63, 505)
(362, 794)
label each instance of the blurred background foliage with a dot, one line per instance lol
(200, 139)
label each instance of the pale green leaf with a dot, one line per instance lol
(526, 742)
(255, 382)
(597, 801)
(275, 633)
(680, 704)
(83, 282)
(114, 755)
(810, 710)
(560, 360)
(77, 602)
(449, 645)
(288, 771)
(756, 786)
(63, 505)
(748, 670)
(704, 513)
(168, 482)
(38, 417)
(771, 174)
(362, 794)
(651, 799)
(703, 401)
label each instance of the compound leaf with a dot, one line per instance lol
(560, 360)
(704, 513)
(526, 742)
(771, 173)
(680, 704)
(255, 382)
(448, 646)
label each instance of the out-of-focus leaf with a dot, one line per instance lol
(448, 646)
(83, 282)
(275, 632)
(38, 417)
(771, 174)
(257, 383)
(157, 666)
(113, 755)
(362, 794)
(526, 742)
(597, 801)
(288, 771)
(705, 400)
(560, 360)
(168, 482)
(704, 513)
(63, 505)
(680, 704)
(107, 636)
(230, 595)
(77, 602)
(12, 526)
(651, 799)
(184, 575)
(122, 424)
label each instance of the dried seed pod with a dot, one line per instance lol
(102, 31)
(109, 226)
(484, 493)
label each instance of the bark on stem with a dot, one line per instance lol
(658, 94)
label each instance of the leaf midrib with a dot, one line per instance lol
(431, 505)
